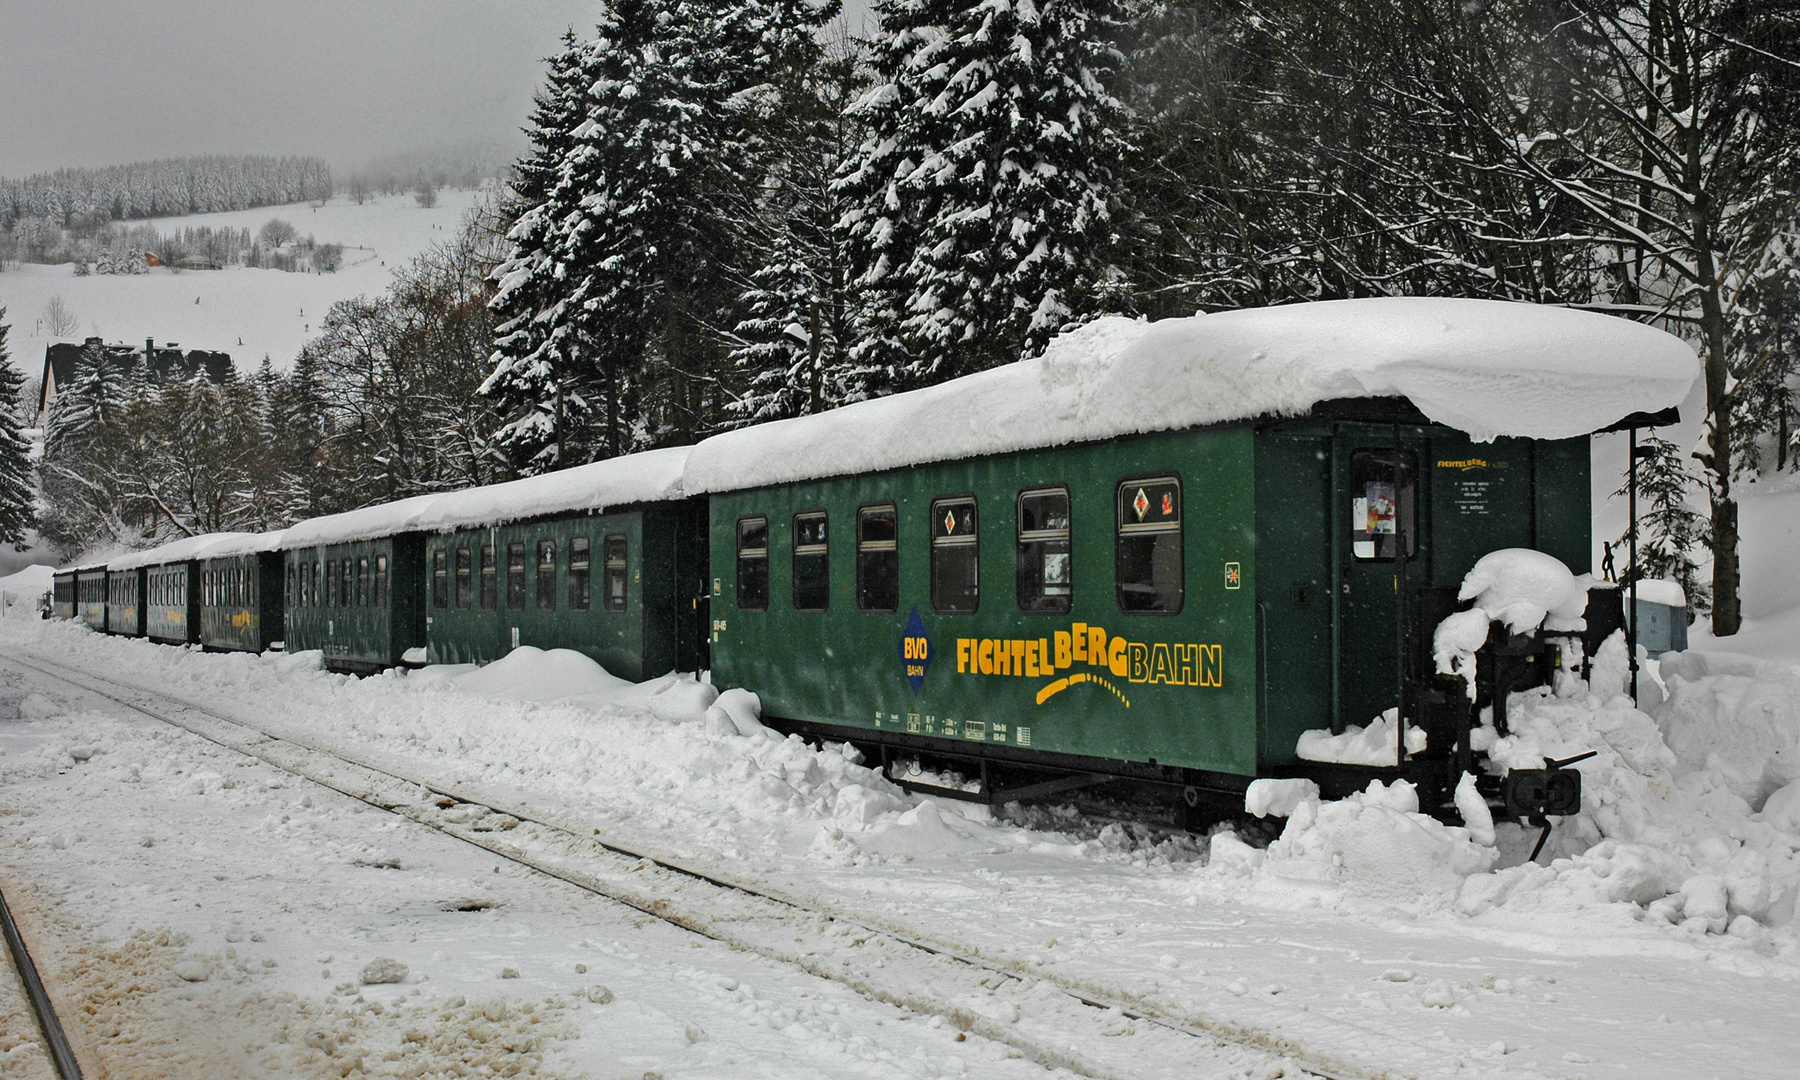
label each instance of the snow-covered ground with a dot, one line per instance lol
(270, 312)
(1365, 935)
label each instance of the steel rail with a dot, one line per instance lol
(1275, 1045)
(56, 1040)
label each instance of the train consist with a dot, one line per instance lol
(1155, 555)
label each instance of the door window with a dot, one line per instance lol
(1384, 504)
(616, 562)
(812, 563)
(877, 558)
(1045, 578)
(1147, 564)
(753, 564)
(955, 556)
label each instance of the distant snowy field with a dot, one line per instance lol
(272, 313)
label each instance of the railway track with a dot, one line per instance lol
(880, 961)
(56, 1040)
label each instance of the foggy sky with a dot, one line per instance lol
(105, 82)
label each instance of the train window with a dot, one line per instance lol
(546, 575)
(365, 592)
(331, 586)
(464, 577)
(753, 564)
(578, 573)
(287, 595)
(318, 594)
(877, 559)
(381, 581)
(346, 583)
(515, 576)
(1147, 560)
(812, 562)
(1384, 503)
(1045, 577)
(440, 579)
(955, 556)
(488, 599)
(613, 552)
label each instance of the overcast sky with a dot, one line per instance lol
(104, 82)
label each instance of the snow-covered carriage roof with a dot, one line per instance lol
(1485, 367)
(652, 476)
(204, 546)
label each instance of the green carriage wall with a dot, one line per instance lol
(90, 597)
(62, 591)
(1474, 498)
(125, 602)
(1307, 638)
(362, 638)
(251, 626)
(846, 667)
(176, 623)
(656, 633)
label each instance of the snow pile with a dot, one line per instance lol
(529, 673)
(1685, 810)
(1517, 587)
(1374, 744)
(1662, 591)
(1488, 368)
(1374, 845)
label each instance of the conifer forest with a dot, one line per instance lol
(733, 212)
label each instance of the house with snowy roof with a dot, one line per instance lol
(63, 359)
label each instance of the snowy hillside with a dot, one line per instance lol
(247, 313)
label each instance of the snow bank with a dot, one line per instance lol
(1488, 368)
(31, 581)
(529, 673)
(1374, 845)
(1374, 744)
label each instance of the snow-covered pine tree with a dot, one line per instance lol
(984, 190)
(635, 231)
(18, 501)
(1672, 536)
(539, 340)
(788, 348)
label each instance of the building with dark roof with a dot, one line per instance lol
(169, 363)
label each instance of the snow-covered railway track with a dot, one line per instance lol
(56, 1040)
(1039, 1016)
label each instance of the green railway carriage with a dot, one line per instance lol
(90, 595)
(1164, 551)
(606, 559)
(242, 597)
(360, 602)
(172, 613)
(125, 602)
(62, 594)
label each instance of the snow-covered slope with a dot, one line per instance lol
(271, 312)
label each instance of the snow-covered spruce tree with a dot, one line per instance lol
(18, 502)
(984, 190)
(633, 241)
(1672, 536)
(789, 348)
(538, 381)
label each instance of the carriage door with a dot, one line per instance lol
(1379, 554)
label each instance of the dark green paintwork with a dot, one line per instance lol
(90, 592)
(125, 613)
(62, 592)
(253, 624)
(656, 633)
(1308, 638)
(176, 622)
(361, 638)
(845, 667)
